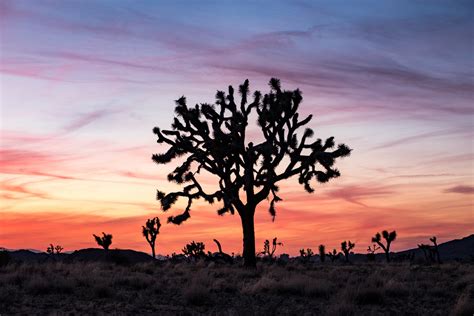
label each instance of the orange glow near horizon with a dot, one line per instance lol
(83, 83)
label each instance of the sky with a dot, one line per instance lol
(83, 83)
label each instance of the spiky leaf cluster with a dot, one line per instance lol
(105, 241)
(213, 138)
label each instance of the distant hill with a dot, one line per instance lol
(116, 255)
(457, 249)
(123, 256)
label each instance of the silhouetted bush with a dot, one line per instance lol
(105, 241)
(194, 250)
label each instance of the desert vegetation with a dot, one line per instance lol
(389, 238)
(203, 287)
(150, 231)
(105, 241)
(212, 139)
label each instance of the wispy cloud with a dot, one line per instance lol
(354, 194)
(462, 189)
(87, 118)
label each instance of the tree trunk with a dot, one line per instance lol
(247, 218)
(387, 255)
(153, 251)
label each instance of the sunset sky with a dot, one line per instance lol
(82, 84)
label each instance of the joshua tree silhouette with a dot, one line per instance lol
(371, 252)
(150, 231)
(346, 248)
(389, 238)
(194, 250)
(52, 250)
(322, 253)
(266, 248)
(213, 138)
(105, 241)
(306, 255)
(334, 255)
(431, 252)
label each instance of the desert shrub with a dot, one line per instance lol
(223, 285)
(368, 296)
(464, 281)
(341, 309)
(38, 285)
(194, 250)
(396, 289)
(465, 304)
(102, 291)
(263, 285)
(135, 282)
(196, 294)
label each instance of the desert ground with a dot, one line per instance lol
(208, 288)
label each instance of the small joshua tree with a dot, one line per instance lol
(371, 252)
(346, 248)
(54, 250)
(389, 238)
(322, 253)
(435, 249)
(306, 254)
(194, 250)
(214, 140)
(431, 253)
(150, 231)
(105, 241)
(334, 255)
(266, 247)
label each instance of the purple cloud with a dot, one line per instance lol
(462, 189)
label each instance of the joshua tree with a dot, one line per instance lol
(389, 238)
(194, 250)
(213, 139)
(306, 255)
(334, 255)
(54, 250)
(150, 231)
(431, 252)
(322, 253)
(371, 252)
(105, 241)
(266, 247)
(346, 248)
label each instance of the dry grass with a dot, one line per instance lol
(202, 288)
